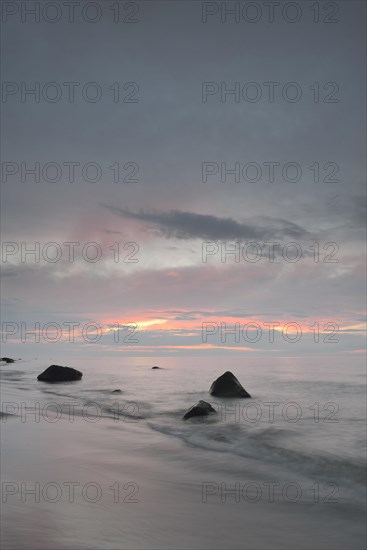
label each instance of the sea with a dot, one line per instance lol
(84, 466)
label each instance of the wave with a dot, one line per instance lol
(270, 445)
(267, 445)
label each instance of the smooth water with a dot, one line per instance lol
(285, 469)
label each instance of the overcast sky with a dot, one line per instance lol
(146, 115)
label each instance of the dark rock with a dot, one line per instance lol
(202, 408)
(116, 391)
(55, 373)
(7, 360)
(156, 368)
(227, 385)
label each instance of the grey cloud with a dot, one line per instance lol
(353, 208)
(180, 249)
(240, 314)
(189, 225)
(112, 232)
(8, 272)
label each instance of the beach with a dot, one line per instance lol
(83, 467)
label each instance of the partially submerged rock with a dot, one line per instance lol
(227, 385)
(7, 360)
(56, 373)
(202, 408)
(116, 391)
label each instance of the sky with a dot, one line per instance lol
(189, 175)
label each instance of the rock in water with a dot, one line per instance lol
(116, 391)
(156, 367)
(7, 360)
(227, 385)
(55, 373)
(202, 408)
